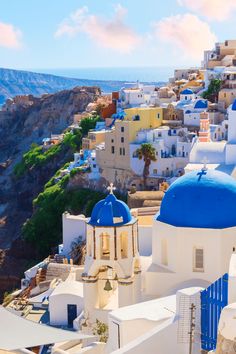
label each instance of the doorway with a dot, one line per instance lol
(71, 314)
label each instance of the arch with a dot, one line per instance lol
(95, 267)
(124, 244)
(105, 245)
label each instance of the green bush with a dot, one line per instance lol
(88, 123)
(213, 90)
(44, 229)
(73, 139)
(37, 157)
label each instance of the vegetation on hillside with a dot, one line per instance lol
(44, 228)
(37, 156)
(212, 92)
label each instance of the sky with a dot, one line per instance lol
(58, 34)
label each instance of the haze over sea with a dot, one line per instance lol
(128, 74)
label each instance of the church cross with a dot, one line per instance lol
(205, 161)
(111, 188)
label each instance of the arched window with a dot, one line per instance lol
(124, 244)
(164, 252)
(105, 246)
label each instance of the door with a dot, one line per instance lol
(71, 314)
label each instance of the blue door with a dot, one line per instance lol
(71, 314)
(213, 300)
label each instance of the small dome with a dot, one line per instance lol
(188, 111)
(200, 199)
(203, 104)
(234, 105)
(186, 92)
(110, 212)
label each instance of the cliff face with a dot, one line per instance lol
(21, 125)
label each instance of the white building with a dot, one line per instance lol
(144, 299)
(187, 95)
(172, 151)
(138, 95)
(219, 155)
(192, 115)
(73, 228)
(66, 303)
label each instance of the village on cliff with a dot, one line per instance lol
(158, 274)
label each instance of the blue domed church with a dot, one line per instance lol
(112, 272)
(194, 234)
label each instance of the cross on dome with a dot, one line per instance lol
(111, 188)
(204, 161)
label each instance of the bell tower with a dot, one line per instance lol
(112, 274)
(204, 132)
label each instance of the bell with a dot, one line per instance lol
(107, 286)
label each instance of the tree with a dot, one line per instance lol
(88, 123)
(148, 153)
(100, 329)
(213, 90)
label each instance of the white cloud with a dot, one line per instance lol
(10, 37)
(113, 34)
(187, 33)
(218, 10)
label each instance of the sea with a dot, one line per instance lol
(125, 74)
(113, 79)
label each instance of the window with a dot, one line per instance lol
(112, 140)
(113, 149)
(105, 246)
(198, 260)
(122, 129)
(124, 151)
(155, 171)
(164, 255)
(158, 115)
(122, 139)
(120, 151)
(94, 166)
(124, 244)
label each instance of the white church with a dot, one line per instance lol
(219, 155)
(146, 299)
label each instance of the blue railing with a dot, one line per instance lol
(213, 300)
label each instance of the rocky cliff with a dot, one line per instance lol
(24, 121)
(19, 128)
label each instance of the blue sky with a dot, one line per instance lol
(100, 33)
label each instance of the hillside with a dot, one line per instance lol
(19, 129)
(18, 82)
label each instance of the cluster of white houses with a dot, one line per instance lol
(167, 286)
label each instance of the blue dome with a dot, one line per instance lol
(200, 199)
(110, 212)
(201, 104)
(234, 105)
(186, 92)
